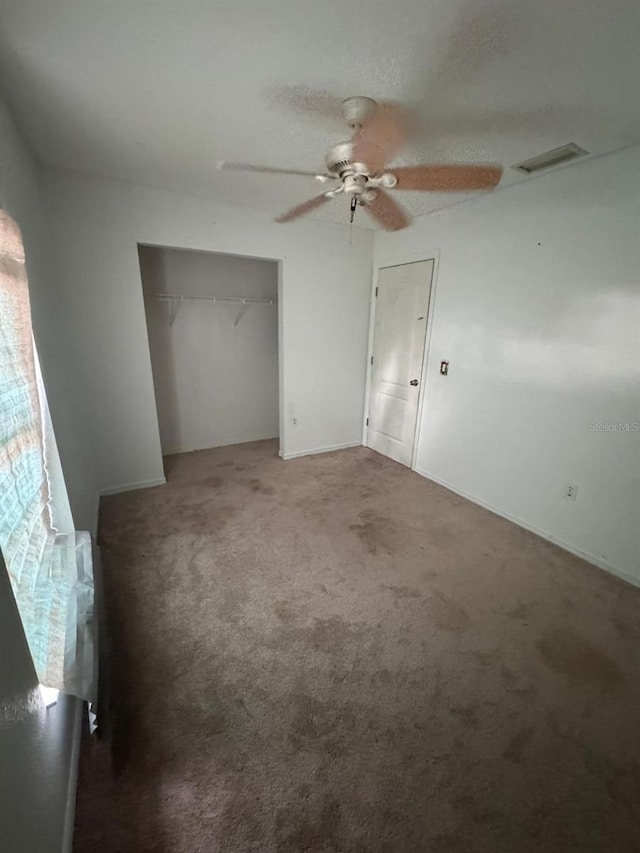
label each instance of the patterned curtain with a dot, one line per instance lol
(50, 573)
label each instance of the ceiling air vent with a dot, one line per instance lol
(551, 158)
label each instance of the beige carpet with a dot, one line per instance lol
(335, 654)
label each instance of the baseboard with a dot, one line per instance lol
(72, 786)
(130, 487)
(567, 546)
(327, 449)
(177, 451)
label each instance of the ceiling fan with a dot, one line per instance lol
(359, 165)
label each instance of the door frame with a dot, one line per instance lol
(280, 261)
(396, 261)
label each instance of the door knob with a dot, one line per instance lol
(413, 382)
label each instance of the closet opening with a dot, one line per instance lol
(212, 324)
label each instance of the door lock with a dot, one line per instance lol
(413, 382)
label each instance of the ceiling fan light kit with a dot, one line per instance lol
(359, 166)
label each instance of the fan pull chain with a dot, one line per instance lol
(354, 204)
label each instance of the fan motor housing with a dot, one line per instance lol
(339, 161)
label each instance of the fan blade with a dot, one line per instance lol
(246, 167)
(388, 213)
(301, 209)
(447, 178)
(380, 139)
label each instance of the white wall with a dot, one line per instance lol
(38, 747)
(324, 295)
(537, 308)
(215, 369)
(37, 759)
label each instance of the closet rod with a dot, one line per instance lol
(244, 300)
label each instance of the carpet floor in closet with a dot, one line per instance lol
(335, 654)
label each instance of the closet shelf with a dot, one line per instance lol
(175, 301)
(243, 300)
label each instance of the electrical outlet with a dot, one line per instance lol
(570, 492)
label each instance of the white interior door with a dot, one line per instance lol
(402, 304)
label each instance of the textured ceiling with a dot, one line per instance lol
(156, 92)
